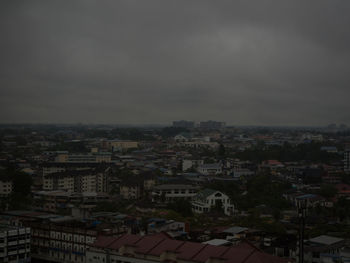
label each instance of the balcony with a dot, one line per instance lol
(10, 253)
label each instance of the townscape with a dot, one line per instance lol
(192, 192)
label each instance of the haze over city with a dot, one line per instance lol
(187, 131)
(140, 62)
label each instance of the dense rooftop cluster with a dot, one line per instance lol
(230, 193)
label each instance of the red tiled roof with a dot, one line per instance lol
(210, 252)
(103, 241)
(190, 251)
(239, 253)
(145, 244)
(124, 240)
(166, 245)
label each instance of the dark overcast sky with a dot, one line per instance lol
(245, 62)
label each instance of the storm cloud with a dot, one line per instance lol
(245, 62)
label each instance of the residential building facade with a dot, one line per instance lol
(173, 192)
(205, 200)
(14, 244)
(6, 187)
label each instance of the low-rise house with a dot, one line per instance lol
(188, 164)
(318, 249)
(273, 165)
(207, 199)
(157, 225)
(236, 233)
(201, 144)
(119, 145)
(182, 137)
(310, 200)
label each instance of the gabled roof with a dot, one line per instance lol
(189, 251)
(210, 251)
(166, 245)
(235, 230)
(184, 134)
(147, 243)
(205, 193)
(124, 240)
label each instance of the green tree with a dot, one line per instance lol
(181, 206)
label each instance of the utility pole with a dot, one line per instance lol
(301, 215)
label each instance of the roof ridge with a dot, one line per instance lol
(223, 253)
(115, 240)
(252, 245)
(150, 250)
(183, 243)
(158, 243)
(199, 251)
(249, 255)
(180, 245)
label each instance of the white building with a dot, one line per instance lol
(173, 192)
(323, 249)
(206, 199)
(14, 244)
(188, 164)
(182, 137)
(210, 169)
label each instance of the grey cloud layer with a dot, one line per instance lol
(244, 62)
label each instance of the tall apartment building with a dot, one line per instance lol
(82, 181)
(89, 180)
(14, 244)
(347, 160)
(183, 124)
